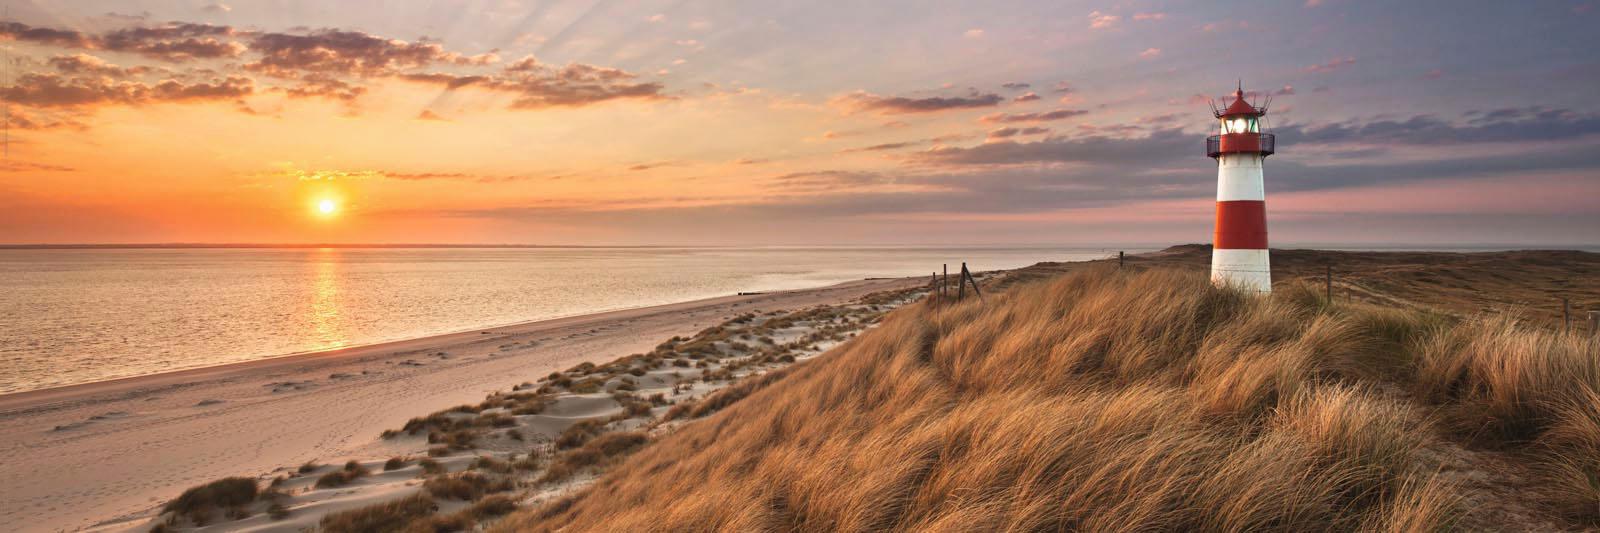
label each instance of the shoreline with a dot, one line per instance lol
(10, 400)
(87, 454)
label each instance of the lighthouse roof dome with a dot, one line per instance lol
(1241, 107)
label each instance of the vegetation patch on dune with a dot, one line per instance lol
(1127, 400)
(545, 437)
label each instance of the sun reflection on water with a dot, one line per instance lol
(326, 321)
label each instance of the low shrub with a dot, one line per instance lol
(394, 463)
(197, 503)
(465, 486)
(381, 518)
(339, 478)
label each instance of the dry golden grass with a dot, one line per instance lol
(1102, 400)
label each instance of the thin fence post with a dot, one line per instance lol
(1566, 315)
(971, 279)
(944, 285)
(961, 283)
(933, 286)
(1327, 284)
(1119, 258)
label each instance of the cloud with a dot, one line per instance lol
(883, 147)
(50, 90)
(216, 7)
(1149, 16)
(423, 176)
(327, 63)
(1062, 87)
(827, 180)
(1057, 114)
(1526, 124)
(85, 64)
(894, 105)
(24, 120)
(975, 33)
(339, 52)
(1332, 65)
(1025, 97)
(648, 166)
(1287, 90)
(537, 85)
(324, 86)
(24, 166)
(428, 114)
(1008, 132)
(175, 42)
(1160, 144)
(1015, 86)
(1150, 53)
(17, 31)
(128, 17)
(1101, 21)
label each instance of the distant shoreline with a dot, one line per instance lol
(1386, 247)
(191, 246)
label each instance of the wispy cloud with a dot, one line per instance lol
(1331, 65)
(890, 105)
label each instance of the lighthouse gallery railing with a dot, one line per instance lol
(1238, 143)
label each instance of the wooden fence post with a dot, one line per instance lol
(1119, 258)
(944, 286)
(1327, 284)
(967, 274)
(961, 283)
(1566, 315)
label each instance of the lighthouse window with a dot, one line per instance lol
(1240, 125)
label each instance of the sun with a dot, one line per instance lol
(326, 207)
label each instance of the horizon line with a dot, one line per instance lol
(1168, 244)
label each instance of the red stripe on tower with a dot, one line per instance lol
(1241, 225)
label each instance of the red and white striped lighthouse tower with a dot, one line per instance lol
(1239, 247)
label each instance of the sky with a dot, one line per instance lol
(1426, 123)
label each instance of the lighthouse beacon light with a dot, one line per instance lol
(1239, 245)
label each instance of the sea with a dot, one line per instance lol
(71, 316)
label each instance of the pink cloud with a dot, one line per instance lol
(1101, 21)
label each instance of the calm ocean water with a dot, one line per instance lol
(78, 316)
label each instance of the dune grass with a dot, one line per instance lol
(197, 503)
(389, 516)
(1112, 400)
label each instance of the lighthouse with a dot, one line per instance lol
(1239, 246)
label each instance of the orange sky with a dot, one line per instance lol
(658, 123)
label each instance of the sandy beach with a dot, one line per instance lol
(88, 455)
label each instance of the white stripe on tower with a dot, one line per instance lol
(1239, 177)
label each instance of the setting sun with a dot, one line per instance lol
(327, 207)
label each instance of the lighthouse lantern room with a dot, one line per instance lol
(1239, 246)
